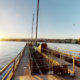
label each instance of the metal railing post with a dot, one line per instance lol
(60, 58)
(70, 54)
(73, 64)
(52, 61)
(19, 57)
(49, 64)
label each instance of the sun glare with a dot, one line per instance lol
(0, 37)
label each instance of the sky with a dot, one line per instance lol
(58, 19)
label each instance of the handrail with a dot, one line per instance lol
(15, 62)
(54, 61)
(65, 49)
(7, 73)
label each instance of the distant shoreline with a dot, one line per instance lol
(40, 40)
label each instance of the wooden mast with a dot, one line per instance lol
(37, 21)
(32, 27)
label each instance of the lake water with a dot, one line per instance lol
(8, 51)
(75, 47)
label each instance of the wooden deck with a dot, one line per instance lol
(22, 72)
(23, 68)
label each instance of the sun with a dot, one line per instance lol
(0, 37)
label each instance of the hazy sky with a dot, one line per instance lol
(56, 18)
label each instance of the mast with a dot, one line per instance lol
(37, 20)
(32, 27)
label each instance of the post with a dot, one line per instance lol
(73, 64)
(47, 55)
(14, 68)
(70, 54)
(20, 58)
(49, 64)
(37, 21)
(62, 55)
(51, 56)
(60, 58)
(53, 53)
(66, 53)
(52, 61)
(32, 27)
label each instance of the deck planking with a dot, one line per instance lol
(23, 67)
(22, 72)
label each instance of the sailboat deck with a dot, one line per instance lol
(22, 72)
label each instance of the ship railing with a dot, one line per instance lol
(11, 67)
(66, 52)
(49, 57)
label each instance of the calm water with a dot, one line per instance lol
(66, 46)
(8, 51)
(69, 46)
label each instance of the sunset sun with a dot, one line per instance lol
(0, 37)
